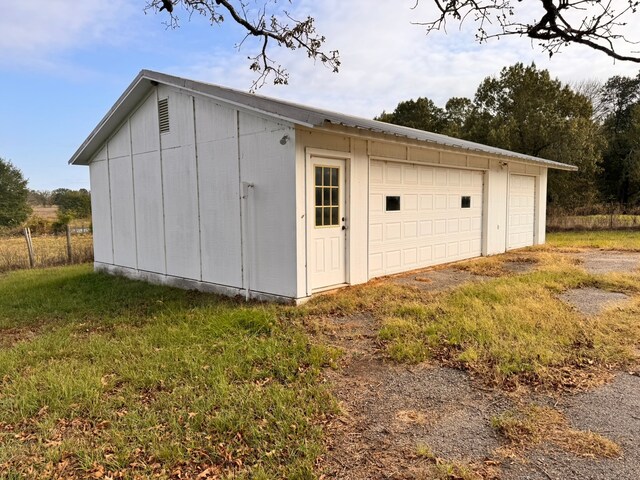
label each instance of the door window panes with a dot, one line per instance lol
(327, 196)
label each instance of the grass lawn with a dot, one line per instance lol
(105, 377)
(101, 376)
(608, 240)
(514, 329)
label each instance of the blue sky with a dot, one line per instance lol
(64, 63)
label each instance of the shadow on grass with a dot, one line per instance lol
(72, 294)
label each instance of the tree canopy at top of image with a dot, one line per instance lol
(552, 24)
(14, 209)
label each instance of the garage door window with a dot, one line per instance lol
(393, 204)
(327, 183)
(466, 202)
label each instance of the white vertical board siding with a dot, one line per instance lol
(270, 219)
(431, 226)
(145, 145)
(541, 207)
(496, 210)
(218, 176)
(101, 208)
(149, 216)
(180, 188)
(122, 204)
(522, 195)
(144, 127)
(357, 219)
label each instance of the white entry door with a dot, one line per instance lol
(326, 213)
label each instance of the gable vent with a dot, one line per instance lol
(163, 115)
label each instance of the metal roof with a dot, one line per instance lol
(287, 111)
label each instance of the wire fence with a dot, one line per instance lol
(28, 249)
(594, 217)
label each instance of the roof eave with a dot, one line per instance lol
(118, 113)
(302, 116)
(506, 154)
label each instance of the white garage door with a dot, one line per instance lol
(421, 216)
(522, 207)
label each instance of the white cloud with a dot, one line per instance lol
(33, 30)
(387, 59)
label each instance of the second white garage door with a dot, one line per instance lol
(421, 216)
(522, 195)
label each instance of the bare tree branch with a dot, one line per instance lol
(596, 24)
(278, 27)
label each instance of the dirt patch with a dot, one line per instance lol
(11, 336)
(602, 262)
(612, 410)
(592, 301)
(518, 266)
(390, 411)
(436, 280)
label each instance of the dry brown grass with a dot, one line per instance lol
(49, 251)
(442, 469)
(498, 265)
(532, 425)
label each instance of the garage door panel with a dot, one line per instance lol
(375, 202)
(440, 202)
(431, 226)
(393, 232)
(522, 192)
(426, 228)
(426, 254)
(410, 229)
(426, 202)
(410, 256)
(393, 174)
(426, 176)
(410, 175)
(376, 173)
(410, 202)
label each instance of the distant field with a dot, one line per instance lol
(49, 251)
(48, 213)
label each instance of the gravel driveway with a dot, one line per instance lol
(389, 410)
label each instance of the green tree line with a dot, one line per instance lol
(591, 125)
(17, 200)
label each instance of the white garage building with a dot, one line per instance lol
(204, 187)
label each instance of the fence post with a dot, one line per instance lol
(611, 218)
(27, 236)
(69, 252)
